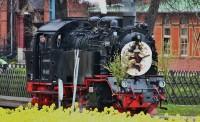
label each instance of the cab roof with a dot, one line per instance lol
(54, 26)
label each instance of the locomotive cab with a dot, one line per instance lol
(50, 51)
(39, 58)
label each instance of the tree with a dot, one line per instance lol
(152, 14)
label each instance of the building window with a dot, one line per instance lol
(166, 20)
(167, 36)
(166, 46)
(184, 20)
(167, 31)
(184, 46)
(184, 43)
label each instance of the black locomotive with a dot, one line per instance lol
(98, 40)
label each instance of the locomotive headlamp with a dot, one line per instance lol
(30, 76)
(115, 34)
(124, 84)
(106, 43)
(162, 84)
(139, 37)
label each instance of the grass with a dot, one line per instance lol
(183, 110)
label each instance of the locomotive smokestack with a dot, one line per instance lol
(100, 3)
(129, 12)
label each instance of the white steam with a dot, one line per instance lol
(100, 3)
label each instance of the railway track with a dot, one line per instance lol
(12, 102)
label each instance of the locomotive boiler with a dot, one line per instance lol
(98, 40)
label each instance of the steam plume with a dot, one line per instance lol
(100, 3)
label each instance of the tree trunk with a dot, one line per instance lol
(150, 19)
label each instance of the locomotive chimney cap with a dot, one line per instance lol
(114, 24)
(94, 19)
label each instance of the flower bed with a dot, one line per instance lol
(50, 114)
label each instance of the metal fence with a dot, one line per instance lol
(183, 87)
(13, 81)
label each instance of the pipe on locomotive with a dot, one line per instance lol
(129, 12)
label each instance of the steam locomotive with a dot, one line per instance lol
(98, 41)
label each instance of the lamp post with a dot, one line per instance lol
(52, 10)
(11, 27)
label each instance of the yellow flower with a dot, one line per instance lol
(51, 114)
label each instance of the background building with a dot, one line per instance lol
(3, 24)
(25, 13)
(177, 35)
(71, 8)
